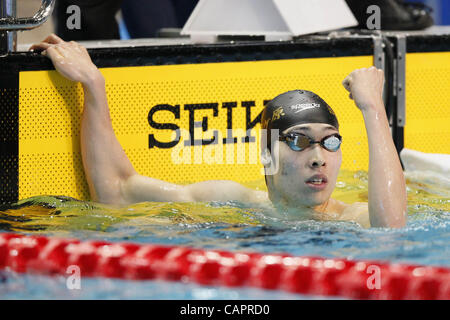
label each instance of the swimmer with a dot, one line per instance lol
(309, 155)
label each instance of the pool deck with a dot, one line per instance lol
(434, 30)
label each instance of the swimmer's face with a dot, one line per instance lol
(292, 183)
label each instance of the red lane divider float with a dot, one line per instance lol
(304, 275)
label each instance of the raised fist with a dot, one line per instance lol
(365, 86)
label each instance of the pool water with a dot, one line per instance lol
(230, 226)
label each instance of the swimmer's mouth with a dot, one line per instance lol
(317, 180)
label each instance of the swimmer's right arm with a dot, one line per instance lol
(138, 188)
(110, 175)
(105, 163)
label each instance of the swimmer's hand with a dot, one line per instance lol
(69, 58)
(366, 87)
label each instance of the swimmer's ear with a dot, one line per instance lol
(266, 157)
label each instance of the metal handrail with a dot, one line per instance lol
(16, 24)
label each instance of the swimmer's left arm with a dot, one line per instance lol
(387, 187)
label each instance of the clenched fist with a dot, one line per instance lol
(365, 86)
(69, 58)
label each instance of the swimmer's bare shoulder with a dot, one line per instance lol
(357, 212)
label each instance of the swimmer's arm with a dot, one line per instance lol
(139, 188)
(105, 163)
(109, 173)
(387, 187)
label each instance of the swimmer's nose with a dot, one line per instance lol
(317, 163)
(317, 160)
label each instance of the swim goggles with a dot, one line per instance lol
(299, 142)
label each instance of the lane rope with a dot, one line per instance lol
(362, 279)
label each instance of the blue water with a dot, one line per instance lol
(230, 226)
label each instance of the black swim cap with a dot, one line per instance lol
(296, 107)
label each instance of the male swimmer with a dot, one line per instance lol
(308, 160)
